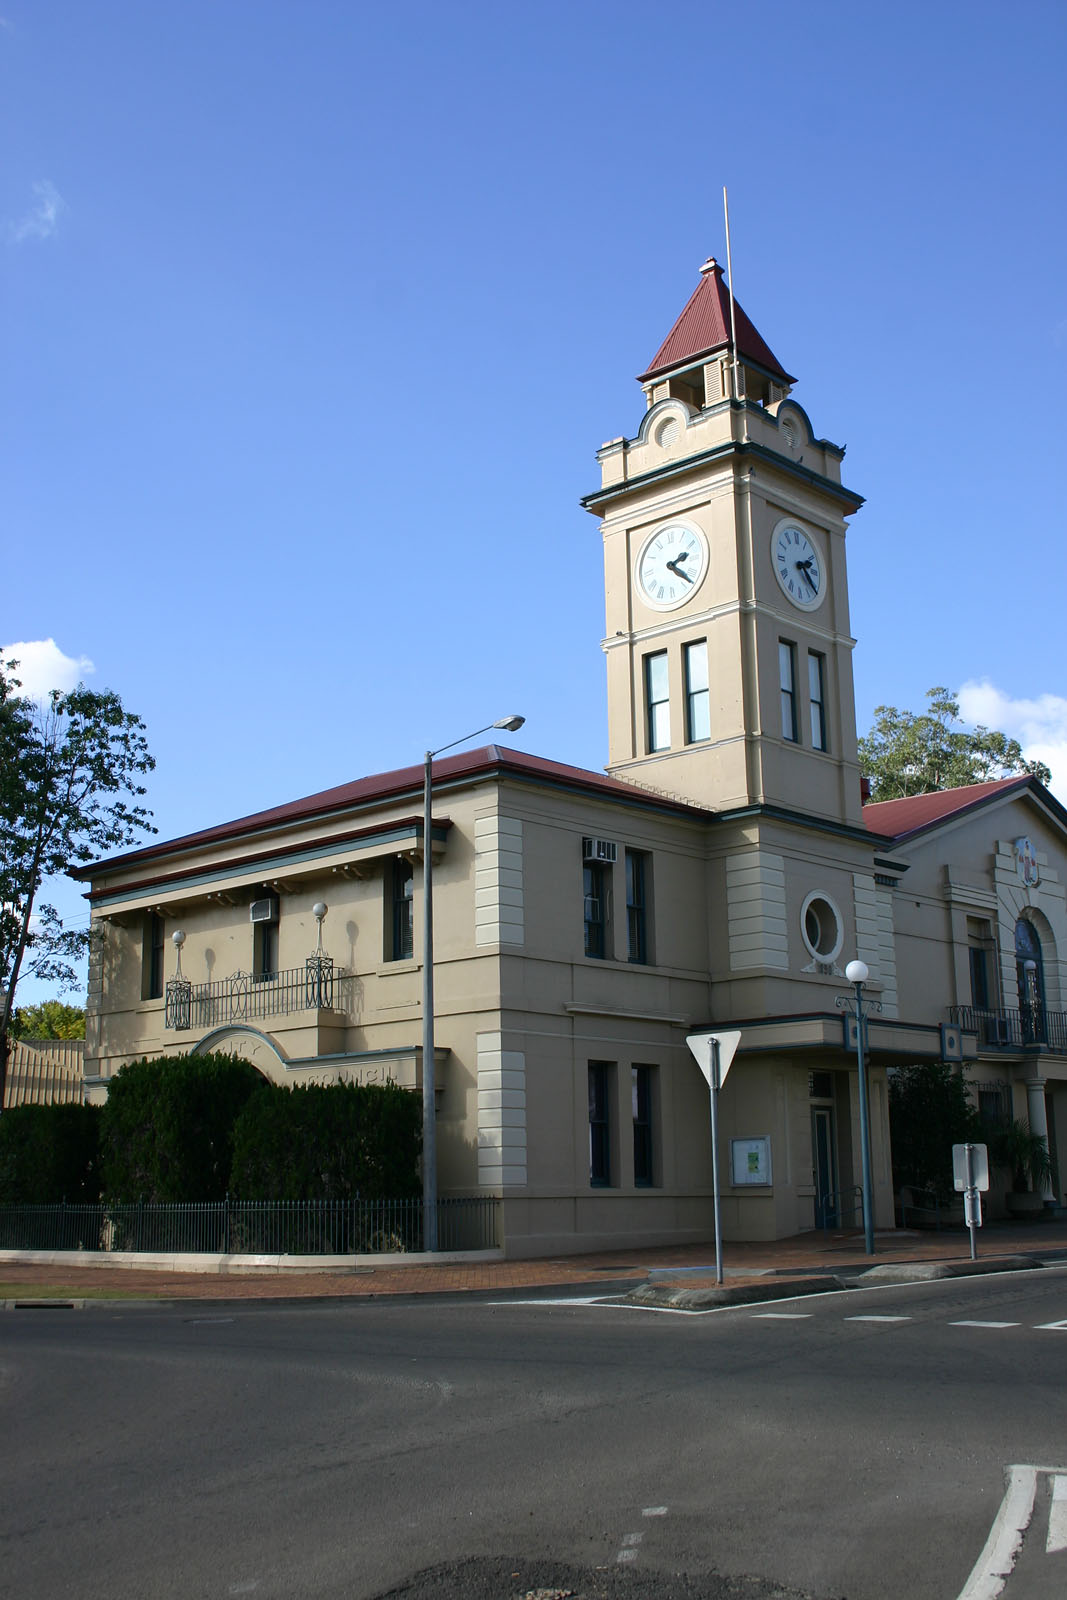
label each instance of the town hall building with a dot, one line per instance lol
(719, 876)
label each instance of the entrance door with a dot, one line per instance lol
(824, 1167)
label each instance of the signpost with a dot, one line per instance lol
(970, 1171)
(713, 1053)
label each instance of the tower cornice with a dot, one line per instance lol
(737, 450)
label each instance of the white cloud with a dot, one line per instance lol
(42, 666)
(1040, 725)
(43, 220)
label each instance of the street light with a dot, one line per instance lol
(429, 1112)
(857, 973)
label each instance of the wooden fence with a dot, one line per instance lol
(43, 1071)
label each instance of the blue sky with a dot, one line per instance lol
(316, 313)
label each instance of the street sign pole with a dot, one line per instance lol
(714, 1091)
(713, 1053)
(971, 1203)
(970, 1175)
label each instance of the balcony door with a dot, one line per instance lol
(1030, 971)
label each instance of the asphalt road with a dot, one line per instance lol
(463, 1448)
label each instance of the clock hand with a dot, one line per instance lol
(672, 566)
(804, 567)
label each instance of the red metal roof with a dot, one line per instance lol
(384, 786)
(896, 819)
(704, 326)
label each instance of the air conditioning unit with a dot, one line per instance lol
(265, 910)
(997, 1030)
(599, 850)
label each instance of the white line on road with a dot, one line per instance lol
(993, 1567)
(781, 1316)
(984, 1324)
(654, 1511)
(1057, 1516)
(877, 1319)
(1060, 1327)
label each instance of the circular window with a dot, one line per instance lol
(820, 924)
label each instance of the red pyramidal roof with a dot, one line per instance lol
(704, 326)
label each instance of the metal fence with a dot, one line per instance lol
(253, 1227)
(1014, 1028)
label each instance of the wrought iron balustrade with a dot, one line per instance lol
(316, 986)
(1018, 1028)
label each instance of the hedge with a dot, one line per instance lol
(167, 1127)
(50, 1153)
(338, 1142)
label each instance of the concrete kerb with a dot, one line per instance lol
(237, 1265)
(678, 1298)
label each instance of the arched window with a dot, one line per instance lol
(1031, 975)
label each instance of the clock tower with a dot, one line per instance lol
(728, 644)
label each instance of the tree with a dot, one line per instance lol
(51, 1019)
(69, 791)
(908, 752)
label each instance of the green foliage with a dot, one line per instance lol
(69, 791)
(929, 1111)
(51, 1019)
(909, 752)
(50, 1153)
(339, 1142)
(1024, 1154)
(168, 1125)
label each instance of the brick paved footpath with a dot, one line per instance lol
(805, 1255)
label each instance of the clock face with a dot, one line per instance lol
(671, 565)
(797, 566)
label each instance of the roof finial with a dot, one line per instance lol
(710, 265)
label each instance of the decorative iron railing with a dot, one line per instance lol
(316, 986)
(1025, 1027)
(253, 1227)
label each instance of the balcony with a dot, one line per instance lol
(245, 997)
(1026, 1028)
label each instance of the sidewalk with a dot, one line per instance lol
(805, 1255)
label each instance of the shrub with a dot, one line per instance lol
(50, 1153)
(929, 1111)
(167, 1128)
(339, 1142)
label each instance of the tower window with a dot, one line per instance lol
(641, 1096)
(636, 906)
(787, 680)
(265, 950)
(152, 958)
(657, 701)
(400, 926)
(600, 1073)
(595, 889)
(817, 699)
(697, 698)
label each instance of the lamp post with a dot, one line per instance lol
(857, 973)
(429, 1113)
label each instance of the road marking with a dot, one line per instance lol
(984, 1324)
(993, 1567)
(567, 1300)
(781, 1316)
(1057, 1516)
(630, 1542)
(877, 1319)
(654, 1511)
(1060, 1327)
